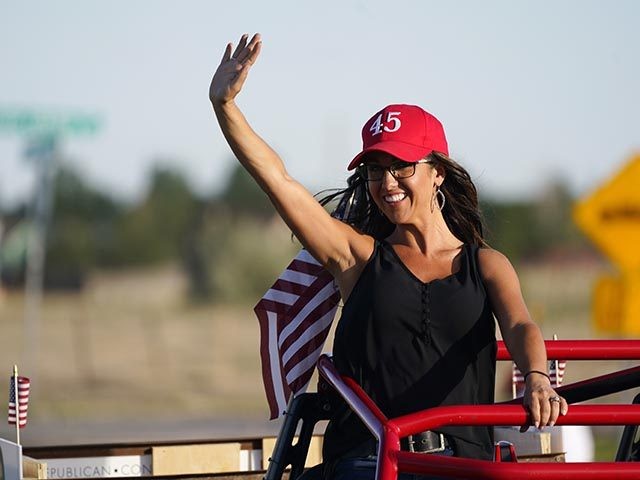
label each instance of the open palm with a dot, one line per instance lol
(233, 69)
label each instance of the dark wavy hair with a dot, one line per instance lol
(461, 211)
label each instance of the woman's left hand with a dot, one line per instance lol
(542, 402)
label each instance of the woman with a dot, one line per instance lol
(420, 288)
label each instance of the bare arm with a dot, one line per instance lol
(336, 245)
(521, 336)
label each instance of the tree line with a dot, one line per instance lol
(230, 244)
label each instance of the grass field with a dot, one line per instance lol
(130, 346)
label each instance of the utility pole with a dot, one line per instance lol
(42, 132)
(42, 150)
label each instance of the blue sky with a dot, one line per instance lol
(527, 91)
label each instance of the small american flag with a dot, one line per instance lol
(18, 400)
(556, 372)
(295, 316)
(556, 375)
(517, 381)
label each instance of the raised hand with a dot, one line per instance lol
(233, 69)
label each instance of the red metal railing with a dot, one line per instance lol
(389, 431)
(585, 350)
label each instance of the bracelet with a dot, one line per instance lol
(535, 371)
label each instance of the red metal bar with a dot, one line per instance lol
(450, 467)
(388, 448)
(368, 412)
(388, 432)
(433, 418)
(467, 468)
(353, 393)
(585, 350)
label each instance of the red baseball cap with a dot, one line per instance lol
(404, 131)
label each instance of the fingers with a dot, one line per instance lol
(241, 44)
(249, 54)
(564, 406)
(247, 57)
(227, 53)
(244, 53)
(554, 403)
(559, 406)
(253, 55)
(545, 406)
(547, 409)
(534, 412)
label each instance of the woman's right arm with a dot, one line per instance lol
(338, 246)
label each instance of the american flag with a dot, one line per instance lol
(556, 375)
(295, 316)
(556, 372)
(18, 408)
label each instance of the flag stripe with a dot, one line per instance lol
(18, 401)
(272, 380)
(305, 310)
(305, 267)
(317, 327)
(297, 277)
(276, 368)
(299, 377)
(295, 316)
(309, 328)
(306, 257)
(281, 297)
(271, 306)
(289, 287)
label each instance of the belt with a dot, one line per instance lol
(424, 442)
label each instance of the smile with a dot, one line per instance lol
(396, 197)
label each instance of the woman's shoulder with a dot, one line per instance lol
(493, 263)
(490, 254)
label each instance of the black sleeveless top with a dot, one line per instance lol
(414, 345)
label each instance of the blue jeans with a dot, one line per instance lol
(364, 468)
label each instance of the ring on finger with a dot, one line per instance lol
(554, 399)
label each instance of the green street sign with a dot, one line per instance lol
(31, 122)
